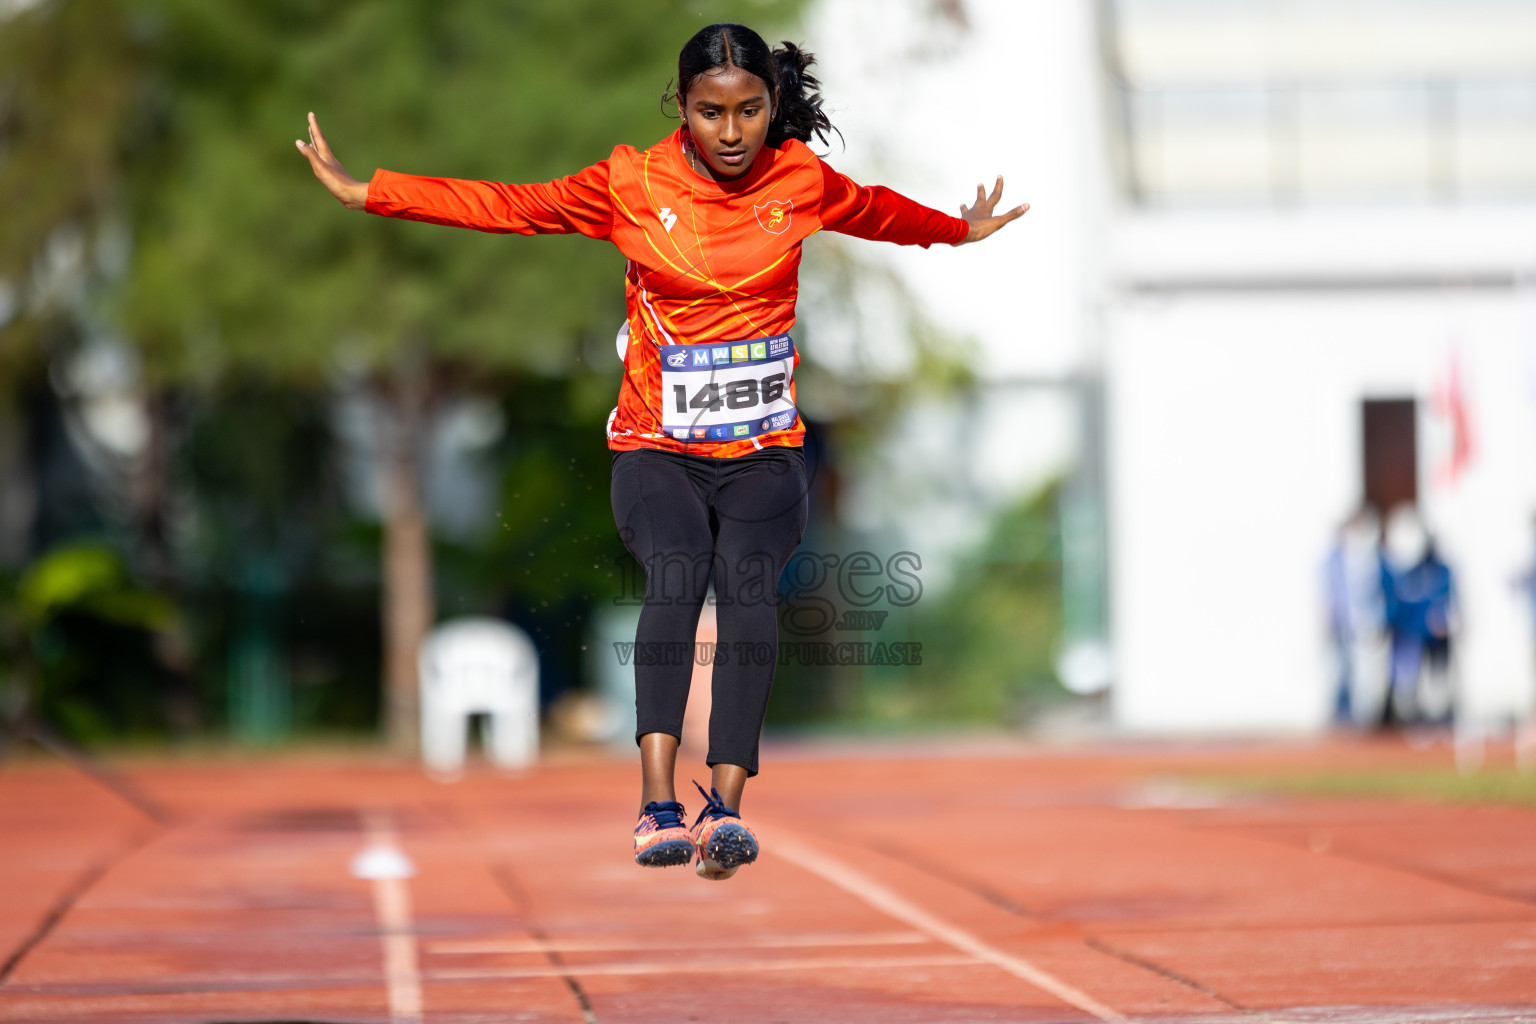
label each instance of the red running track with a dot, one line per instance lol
(903, 886)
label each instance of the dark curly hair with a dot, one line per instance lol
(798, 113)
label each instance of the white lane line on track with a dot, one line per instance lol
(858, 884)
(721, 967)
(382, 863)
(625, 945)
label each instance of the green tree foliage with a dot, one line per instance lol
(69, 127)
(988, 637)
(91, 580)
(81, 634)
(175, 120)
(991, 636)
(252, 268)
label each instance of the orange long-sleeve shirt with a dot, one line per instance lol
(712, 278)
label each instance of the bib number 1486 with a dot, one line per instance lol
(735, 394)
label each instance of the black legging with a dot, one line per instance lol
(682, 516)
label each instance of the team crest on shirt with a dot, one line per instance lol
(774, 215)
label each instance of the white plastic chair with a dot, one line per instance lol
(479, 666)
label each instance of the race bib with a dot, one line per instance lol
(727, 392)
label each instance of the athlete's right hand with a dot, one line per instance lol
(352, 193)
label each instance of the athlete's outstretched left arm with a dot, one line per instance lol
(878, 213)
(980, 215)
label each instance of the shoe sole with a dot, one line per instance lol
(708, 869)
(729, 848)
(669, 854)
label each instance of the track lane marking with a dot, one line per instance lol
(856, 883)
(509, 884)
(383, 864)
(819, 963)
(82, 883)
(469, 946)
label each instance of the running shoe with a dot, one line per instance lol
(661, 838)
(722, 841)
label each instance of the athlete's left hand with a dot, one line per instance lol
(983, 223)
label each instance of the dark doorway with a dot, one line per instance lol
(1390, 452)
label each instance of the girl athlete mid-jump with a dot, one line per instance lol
(708, 473)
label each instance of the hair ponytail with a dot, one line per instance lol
(798, 113)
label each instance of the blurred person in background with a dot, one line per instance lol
(1356, 616)
(1525, 729)
(711, 219)
(1422, 619)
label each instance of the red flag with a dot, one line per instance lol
(1451, 403)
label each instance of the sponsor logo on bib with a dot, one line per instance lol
(741, 430)
(677, 358)
(681, 434)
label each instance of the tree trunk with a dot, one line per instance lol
(149, 487)
(408, 604)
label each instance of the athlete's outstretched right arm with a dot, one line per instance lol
(350, 192)
(575, 204)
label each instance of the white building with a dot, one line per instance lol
(1322, 206)
(1255, 221)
